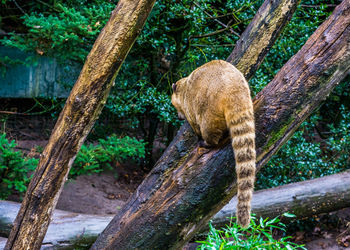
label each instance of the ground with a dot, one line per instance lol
(97, 194)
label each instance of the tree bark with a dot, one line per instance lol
(261, 34)
(304, 199)
(186, 188)
(82, 108)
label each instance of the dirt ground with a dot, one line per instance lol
(95, 194)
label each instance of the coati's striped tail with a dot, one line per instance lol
(242, 130)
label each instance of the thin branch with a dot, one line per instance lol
(216, 20)
(212, 45)
(11, 113)
(214, 17)
(317, 6)
(48, 5)
(211, 33)
(19, 7)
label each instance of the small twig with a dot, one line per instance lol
(48, 5)
(11, 113)
(212, 45)
(214, 17)
(347, 230)
(317, 6)
(216, 20)
(211, 33)
(19, 7)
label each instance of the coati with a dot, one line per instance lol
(215, 99)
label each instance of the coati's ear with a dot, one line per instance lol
(174, 87)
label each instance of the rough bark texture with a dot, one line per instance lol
(186, 187)
(82, 108)
(304, 199)
(65, 229)
(261, 34)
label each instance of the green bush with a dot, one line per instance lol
(67, 33)
(302, 158)
(175, 40)
(259, 235)
(15, 169)
(105, 155)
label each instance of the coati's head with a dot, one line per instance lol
(177, 98)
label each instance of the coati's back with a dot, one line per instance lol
(214, 99)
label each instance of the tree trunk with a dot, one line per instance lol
(304, 199)
(261, 34)
(268, 23)
(186, 188)
(82, 108)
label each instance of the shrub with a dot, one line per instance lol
(15, 169)
(259, 235)
(105, 155)
(302, 158)
(67, 33)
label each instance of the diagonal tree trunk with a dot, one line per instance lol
(187, 187)
(261, 34)
(82, 108)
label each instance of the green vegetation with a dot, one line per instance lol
(317, 149)
(106, 154)
(259, 235)
(178, 37)
(15, 169)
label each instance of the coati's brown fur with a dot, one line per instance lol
(214, 99)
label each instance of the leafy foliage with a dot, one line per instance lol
(15, 169)
(106, 154)
(67, 34)
(178, 37)
(259, 235)
(317, 149)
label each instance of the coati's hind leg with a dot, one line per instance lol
(211, 138)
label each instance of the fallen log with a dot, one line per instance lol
(66, 228)
(2, 242)
(304, 199)
(187, 187)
